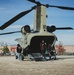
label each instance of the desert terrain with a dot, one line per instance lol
(64, 65)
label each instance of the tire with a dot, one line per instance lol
(22, 57)
(16, 57)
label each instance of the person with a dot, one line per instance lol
(19, 50)
(49, 50)
(42, 47)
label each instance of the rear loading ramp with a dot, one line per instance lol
(36, 40)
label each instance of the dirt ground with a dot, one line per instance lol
(64, 65)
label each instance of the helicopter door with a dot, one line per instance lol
(36, 40)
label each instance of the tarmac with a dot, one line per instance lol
(64, 65)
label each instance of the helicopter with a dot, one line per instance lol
(31, 39)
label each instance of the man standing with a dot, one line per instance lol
(19, 50)
(43, 46)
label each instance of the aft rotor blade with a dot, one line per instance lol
(9, 33)
(64, 28)
(16, 18)
(61, 7)
(36, 2)
(47, 5)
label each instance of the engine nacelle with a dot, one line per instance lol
(51, 28)
(25, 29)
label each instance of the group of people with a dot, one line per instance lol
(46, 49)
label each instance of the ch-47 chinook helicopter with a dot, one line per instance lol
(31, 39)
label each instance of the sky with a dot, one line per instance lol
(57, 17)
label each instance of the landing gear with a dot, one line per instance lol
(53, 55)
(50, 55)
(22, 57)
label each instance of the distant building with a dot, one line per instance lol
(11, 48)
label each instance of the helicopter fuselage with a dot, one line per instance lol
(30, 41)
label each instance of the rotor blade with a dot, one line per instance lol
(64, 28)
(61, 7)
(47, 5)
(10, 32)
(36, 2)
(16, 18)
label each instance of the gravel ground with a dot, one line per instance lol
(64, 65)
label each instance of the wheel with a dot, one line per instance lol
(16, 57)
(22, 57)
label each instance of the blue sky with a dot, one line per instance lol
(57, 17)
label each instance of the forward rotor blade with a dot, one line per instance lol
(64, 28)
(9, 33)
(61, 7)
(16, 18)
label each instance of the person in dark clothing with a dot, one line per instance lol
(19, 50)
(49, 49)
(42, 47)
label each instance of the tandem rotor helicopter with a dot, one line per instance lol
(31, 39)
